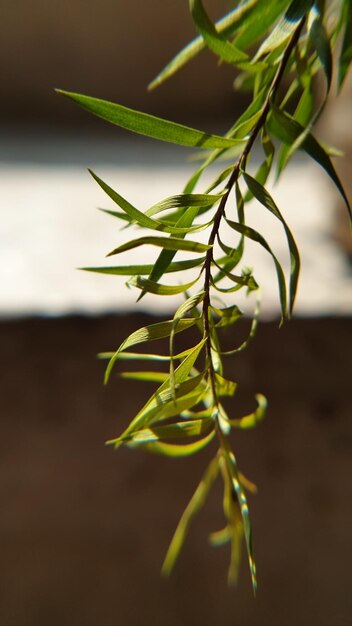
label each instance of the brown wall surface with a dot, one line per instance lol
(83, 530)
(109, 49)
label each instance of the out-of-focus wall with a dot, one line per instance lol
(110, 49)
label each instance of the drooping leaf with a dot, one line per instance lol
(147, 333)
(264, 197)
(167, 254)
(148, 125)
(225, 26)
(178, 451)
(145, 376)
(346, 48)
(213, 39)
(137, 270)
(249, 232)
(168, 243)
(263, 15)
(228, 315)
(321, 42)
(150, 286)
(195, 504)
(179, 430)
(251, 420)
(288, 130)
(285, 27)
(231, 464)
(150, 409)
(184, 201)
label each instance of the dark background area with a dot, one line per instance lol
(109, 49)
(84, 529)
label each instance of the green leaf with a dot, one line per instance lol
(194, 506)
(225, 26)
(234, 254)
(152, 406)
(302, 115)
(147, 333)
(148, 125)
(285, 27)
(133, 213)
(225, 387)
(258, 21)
(184, 201)
(246, 280)
(321, 42)
(264, 197)
(231, 464)
(346, 48)
(251, 335)
(137, 270)
(179, 430)
(150, 286)
(228, 315)
(165, 257)
(264, 169)
(176, 450)
(288, 130)
(168, 243)
(251, 420)
(249, 232)
(150, 377)
(190, 305)
(141, 356)
(214, 40)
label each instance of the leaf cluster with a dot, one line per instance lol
(277, 50)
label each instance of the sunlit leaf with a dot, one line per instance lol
(146, 376)
(225, 26)
(178, 451)
(195, 504)
(228, 315)
(251, 420)
(168, 243)
(152, 406)
(346, 48)
(147, 333)
(231, 464)
(321, 42)
(285, 27)
(264, 197)
(214, 40)
(148, 125)
(288, 130)
(162, 290)
(137, 270)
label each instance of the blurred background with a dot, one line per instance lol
(83, 531)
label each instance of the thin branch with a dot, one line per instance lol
(239, 165)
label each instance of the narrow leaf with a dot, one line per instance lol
(148, 125)
(177, 450)
(168, 243)
(137, 270)
(288, 130)
(214, 40)
(147, 333)
(150, 286)
(251, 420)
(195, 504)
(263, 196)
